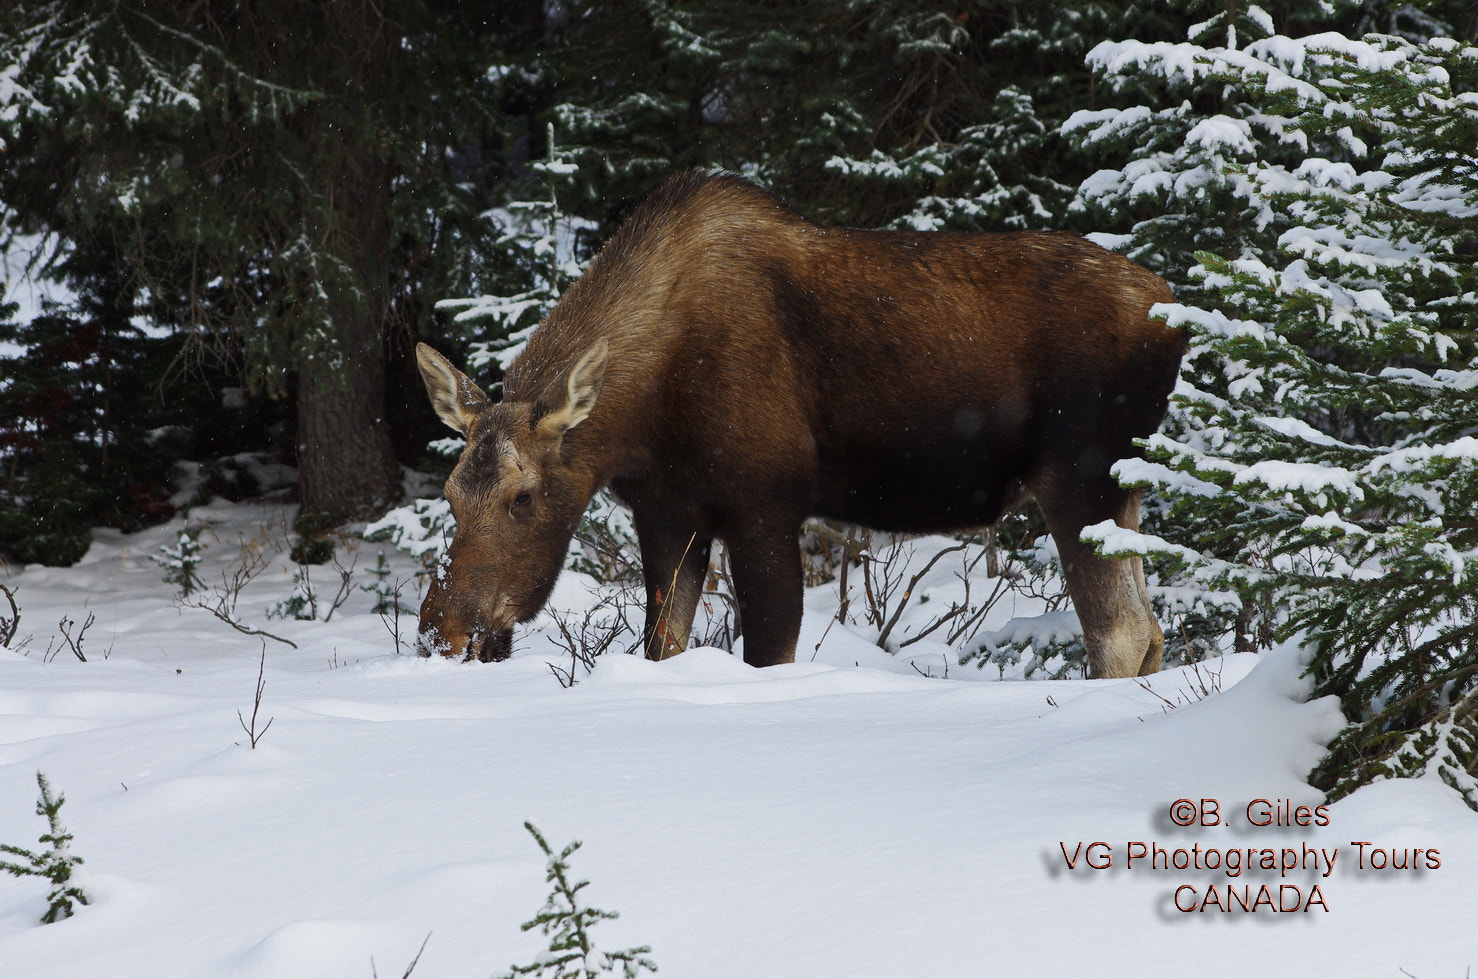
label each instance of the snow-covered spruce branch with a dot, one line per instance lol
(1319, 457)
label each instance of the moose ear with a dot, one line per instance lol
(582, 390)
(453, 395)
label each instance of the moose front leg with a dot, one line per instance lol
(673, 565)
(766, 563)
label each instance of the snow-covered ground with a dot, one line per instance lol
(843, 817)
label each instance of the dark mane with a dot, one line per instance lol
(696, 213)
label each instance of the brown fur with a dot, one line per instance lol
(729, 369)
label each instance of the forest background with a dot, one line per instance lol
(245, 216)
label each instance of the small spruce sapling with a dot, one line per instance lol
(55, 863)
(302, 604)
(180, 562)
(387, 595)
(567, 922)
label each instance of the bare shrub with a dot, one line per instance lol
(69, 641)
(585, 635)
(1202, 682)
(252, 734)
(225, 595)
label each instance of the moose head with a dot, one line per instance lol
(517, 494)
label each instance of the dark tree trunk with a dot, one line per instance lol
(347, 468)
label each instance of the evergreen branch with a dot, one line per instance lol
(221, 57)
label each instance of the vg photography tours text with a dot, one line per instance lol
(1273, 877)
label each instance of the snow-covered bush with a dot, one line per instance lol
(605, 545)
(422, 528)
(302, 604)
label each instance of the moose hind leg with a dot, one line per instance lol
(1109, 594)
(766, 562)
(673, 566)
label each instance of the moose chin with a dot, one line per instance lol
(728, 369)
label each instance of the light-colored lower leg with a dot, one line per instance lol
(1112, 602)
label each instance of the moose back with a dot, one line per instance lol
(729, 369)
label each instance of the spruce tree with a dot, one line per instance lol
(86, 435)
(275, 172)
(567, 920)
(56, 863)
(894, 113)
(541, 247)
(1197, 114)
(1325, 466)
(1194, 121)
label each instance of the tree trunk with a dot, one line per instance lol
(347, 468)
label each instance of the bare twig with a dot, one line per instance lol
(9, 626)
(844, 588)
(913, 583)
(592, 636)
(1203, 682)
(1144, 685)
(408, 969)
(566, 678)
(930, 675)
(390, 618)
(251, 731)
(721, 630)
(75, 644)
(875, 604)
(222, 603)
(965, 621)
(226, 618)
(346, 575)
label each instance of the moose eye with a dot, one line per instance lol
(522, 500)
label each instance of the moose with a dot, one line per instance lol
(729, 368)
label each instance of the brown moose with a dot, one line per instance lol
(729, 368)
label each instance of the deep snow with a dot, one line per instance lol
(823, 819)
